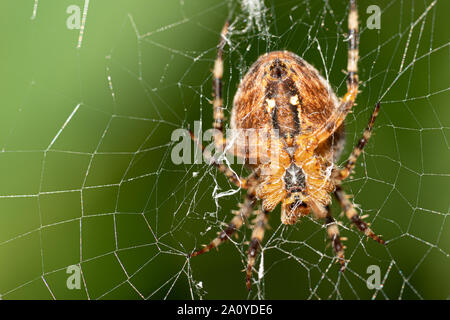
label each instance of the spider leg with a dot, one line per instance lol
(333, 234)
(353, 216)
(219, 138)
(255, 243)
(353, 53)
(339, 114)
(230, 174)
(350, 164)
(245, 209)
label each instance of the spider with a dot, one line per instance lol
(283, 94)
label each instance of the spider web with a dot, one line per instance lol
(88, 179)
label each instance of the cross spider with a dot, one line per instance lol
(282, 93)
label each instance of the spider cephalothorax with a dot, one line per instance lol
(299, 128)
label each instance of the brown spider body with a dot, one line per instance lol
(299, 125)
(284, 97)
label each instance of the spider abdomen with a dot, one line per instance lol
(280, 101)
(281, 91)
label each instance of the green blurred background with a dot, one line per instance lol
(105, 195)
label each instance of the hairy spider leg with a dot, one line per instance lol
(219, 137)
(339, 114)
(255, 243)
(353, 216)
(350, 164)
(333, 234)
(240, 216)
